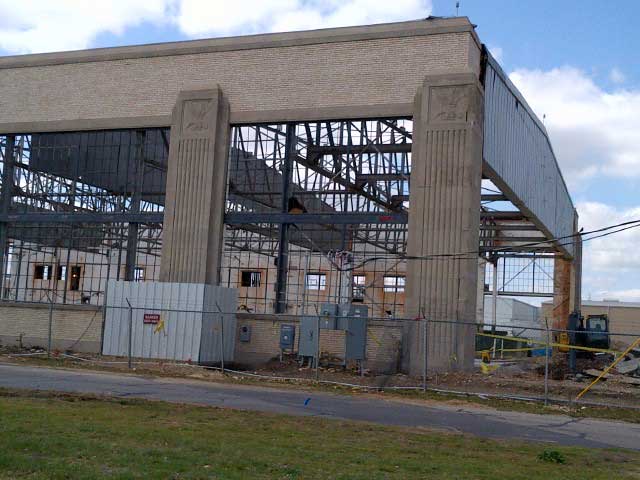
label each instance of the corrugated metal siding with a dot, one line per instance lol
(517, 148)
(218, 329)
(181, 307)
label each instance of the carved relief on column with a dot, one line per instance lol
(444, 217)
(196, 188)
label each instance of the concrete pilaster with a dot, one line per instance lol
(444, 218)
(196, 188)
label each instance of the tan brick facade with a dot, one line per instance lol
(374, 71)
(76, 327)
(79, 328)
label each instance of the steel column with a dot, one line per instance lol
(132, 234)
(283, 241)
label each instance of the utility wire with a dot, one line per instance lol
(470, 255)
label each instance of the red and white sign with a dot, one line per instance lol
(151, 318)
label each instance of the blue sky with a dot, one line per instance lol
(576, 61)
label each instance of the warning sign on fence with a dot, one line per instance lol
(151, 318)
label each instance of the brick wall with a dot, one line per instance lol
(355, 73)
(75, 327)
(79, 328)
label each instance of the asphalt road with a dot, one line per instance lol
(482, 422)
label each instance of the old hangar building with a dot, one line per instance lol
(384, 165)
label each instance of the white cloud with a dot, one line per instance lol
(45, 26)
(611, 263)
(497, 52)
(616, 75)
(617, 252)
(593, 131)
(219, 17)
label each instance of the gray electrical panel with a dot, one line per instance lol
(245, 333)
(328, 314)
(287, 336)
(353, 319)
(308, 343)
(347, 311)
(356, 339)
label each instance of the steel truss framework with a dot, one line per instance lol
(305, 199)
(301, 194)
(78, 209)
(319, 201)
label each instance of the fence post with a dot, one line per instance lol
(318, 342)
(426, 353)
(130, 332)
(221, 337)
(50, 330)
(317, 347)
(546, 363)
(104, 315)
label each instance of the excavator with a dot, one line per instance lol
(592, 332)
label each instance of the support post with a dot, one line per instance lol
(425, 326)
(196, 188)
(136, 198)
(317, 359)
(546, 362)
(130, 346)
(444, 217)
(574, 317)
(561, 293)
(283, 240)
(50, 329)
(494, 303)
(221, 316)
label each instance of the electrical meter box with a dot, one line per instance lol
(347, 311)
(328, 314)
(353, 319)
(356, 339)
(287, 336)
(245, 333)
(308, 344)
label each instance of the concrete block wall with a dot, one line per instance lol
(383, 348)
(75, 327)
(79, 328)
(265, 340)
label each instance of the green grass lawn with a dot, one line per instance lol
(63, 437)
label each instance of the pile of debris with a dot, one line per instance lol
(626, 371)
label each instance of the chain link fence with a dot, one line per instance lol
(347, 350)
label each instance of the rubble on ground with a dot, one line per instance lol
(626, 371)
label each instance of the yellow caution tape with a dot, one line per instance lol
(606, 370)
(545, 344)
(159, 327)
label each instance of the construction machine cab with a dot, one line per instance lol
(596, 331)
